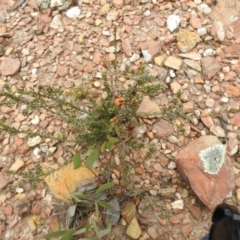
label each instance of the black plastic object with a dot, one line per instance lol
(225, 223)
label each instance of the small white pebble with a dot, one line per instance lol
(203, 133)
(171, 165)
(202, 31)
(234, 61)
(98, 75)
(226, 69)
(172, 73)
(224, 99)
(153, 192)
(178, 195)
(35, 120)
(34, 70)
(221, 76)
(209, 52)
(106, 33)
(19, 190)
(233, 18)
(104, 95)
(97, 84)
(36, 152)
(178, 204)
(173, 22)
(204, 8)
(117, 160)
(198, 2)
(124, 223)
(168, 80)
(147, 13)
(134, 57)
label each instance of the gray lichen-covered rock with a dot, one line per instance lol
(213, 158)
(205, 166)
(43, 3)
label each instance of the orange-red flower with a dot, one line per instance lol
(118, 101)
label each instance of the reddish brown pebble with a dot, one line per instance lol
(36, 209)
(8, 210)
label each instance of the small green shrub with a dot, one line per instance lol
(99, 126)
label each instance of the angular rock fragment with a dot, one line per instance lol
(9, 66)
(73, 12)
(173, 22)
(159, 60)
(17, 165)
(232, 90)
(210, 67)
(127, 47)
(148, 109)
(217, 131)
(187, 40)
(134, 231)
(64, 182)
(105, 9)
(218, 31)
(173, 62)
(5, 180)
(193, 64)
(162, 129)
(150, 49)
(207, 169)
(235, 120)
(128, 211)
(191, 55)
(34, 141)
(232, 50)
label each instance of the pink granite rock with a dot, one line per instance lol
(9, 66)
(150, 49)
(235, 120)
(127, 47)
(210, 188)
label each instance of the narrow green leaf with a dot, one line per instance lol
(111, 142)
(68, 235)
(88, 226)
(55, 234)
(81, 196)
(76, 198)
(77, 162)
(103, 204)
(91, 158)
(117, 130)
(109, 145)
(80, 231)
(90, 149)
(104, 232)
(103, 146)
(113, 139)
(96, 229)
(104, 187)
(96, 208)
(87, 238)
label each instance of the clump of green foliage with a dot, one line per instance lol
(174, 110)
(100, 126)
